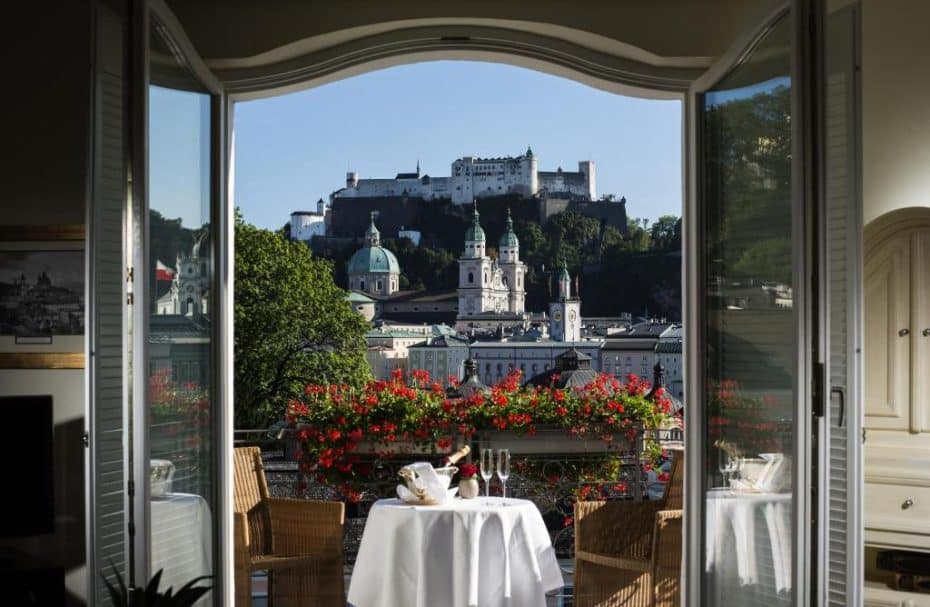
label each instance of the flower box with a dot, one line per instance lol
(552, 440)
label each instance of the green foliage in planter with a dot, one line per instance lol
(150, 596)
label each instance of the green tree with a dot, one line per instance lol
(293, 326)
(637, 237)
(665, 233)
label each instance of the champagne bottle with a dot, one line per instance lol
(452, 458)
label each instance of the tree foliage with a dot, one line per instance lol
(293, 326)
(748, 151)
(665, 233)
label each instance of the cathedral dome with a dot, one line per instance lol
(370, 260)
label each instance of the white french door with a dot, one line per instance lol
(158, 280)
(752, 345)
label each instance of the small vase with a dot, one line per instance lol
(468, 488)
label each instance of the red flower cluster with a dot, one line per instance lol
(468, 470)
(334, 420)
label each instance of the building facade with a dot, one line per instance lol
(490, 289)
(307, 224)
(496, 359)
(442, 356)
(472, 177)
(189, 291)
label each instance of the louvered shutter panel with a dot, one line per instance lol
(844, 235)
(108, 322)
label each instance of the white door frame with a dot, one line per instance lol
(142, 13)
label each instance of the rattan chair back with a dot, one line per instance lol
(673, 496)
(250, 494)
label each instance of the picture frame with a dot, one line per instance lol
(42, 296)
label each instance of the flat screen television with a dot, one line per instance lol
(26, 440)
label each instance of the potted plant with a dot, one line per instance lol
(468, 480)
(150, 596)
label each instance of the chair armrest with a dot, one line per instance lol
(667, 540)
(301, 526)
(615, 528)
(242, 552)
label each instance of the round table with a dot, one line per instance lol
(480, 552)
(748, 544)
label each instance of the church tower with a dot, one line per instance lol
(565, 313)
(476, 271)
(513, 269)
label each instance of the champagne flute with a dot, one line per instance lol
(729, 466)
(723, 464)
(487, 470)
(503, 472)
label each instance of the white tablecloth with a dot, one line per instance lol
(181, 539)
(467, 553)
(749, 535)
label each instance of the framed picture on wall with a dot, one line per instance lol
(42, 297)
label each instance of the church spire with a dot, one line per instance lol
(372, 235)
(565, 281)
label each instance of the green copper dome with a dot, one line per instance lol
(373, 258)
(475, 232)
(370, 260)
(508, 238)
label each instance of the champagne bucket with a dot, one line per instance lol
(161, 474)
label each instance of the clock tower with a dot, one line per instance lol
(565, 313)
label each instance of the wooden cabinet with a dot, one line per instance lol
(896, 357)
(897, 332)
(879, 595)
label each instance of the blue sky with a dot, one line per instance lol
(293, 149)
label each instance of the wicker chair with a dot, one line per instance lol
(629, 553)
(299, 542)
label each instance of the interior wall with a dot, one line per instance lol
(46, 54)
(895, 106)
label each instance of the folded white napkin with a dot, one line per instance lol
(434, 485)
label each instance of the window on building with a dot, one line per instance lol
(471, 278)
(361, 285)
(380, 285)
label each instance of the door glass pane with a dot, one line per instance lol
(180, 361)
(748, 320)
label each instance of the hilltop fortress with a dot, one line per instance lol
(473, 178)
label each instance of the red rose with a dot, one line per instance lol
(468, 470)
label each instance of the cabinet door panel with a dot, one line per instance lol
(920, 313)
(887, 350)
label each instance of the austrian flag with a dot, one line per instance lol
(163, 272)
